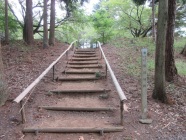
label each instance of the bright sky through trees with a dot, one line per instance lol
(90, 5)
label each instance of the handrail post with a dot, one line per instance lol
(74, 48)
(118, 87)
(67, 55)
(22, 112)
(53, 69)
(106, 70)
(121, 112)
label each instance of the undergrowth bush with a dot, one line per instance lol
(132, 56)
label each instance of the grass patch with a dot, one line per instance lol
(131, 54)
(150, 65)
(133, 69)
(181, 67)
(179, 44)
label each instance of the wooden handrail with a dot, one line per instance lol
(115, 81)
(34, 83)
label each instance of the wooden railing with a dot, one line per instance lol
(34, 83)
(115, 81)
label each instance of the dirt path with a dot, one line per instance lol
(22, 68)
(74, 91)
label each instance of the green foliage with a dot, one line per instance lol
(132, 55)
(150, 65)
(66, 11)
(72, 29)
(180, 18)
(139, 2)
(181, 1)
(13, 25)
(130, 17)
(98, 74)
(181, 66)
(89, 33)
(179, 44)
(103, 23)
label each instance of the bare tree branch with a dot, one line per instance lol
(20, 23)
(23, 10)
(38, 25)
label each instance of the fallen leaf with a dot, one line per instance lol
(125, 108)
(81, 138)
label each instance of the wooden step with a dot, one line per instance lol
(77, 78)
(75, 55)
(100, 130)
(79, 72)
(84, 53)
(81, 91)
(84, 50)
(84, 66)
(84, 59)
(89, 109)
(82, 62)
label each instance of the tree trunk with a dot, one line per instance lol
(3, 91)
(45, 33)
(153, 21)
(6, 23)
(159, 87)
(52, 24)
(184, 51)
(170, 67)
(28, 24)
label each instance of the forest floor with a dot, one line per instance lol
(23, 64)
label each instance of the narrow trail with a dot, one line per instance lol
(81, 101)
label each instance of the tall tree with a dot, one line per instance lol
(28, 24)
(103, 23)
(6, 23)
(170, 67)
(132, 17)
(45, 26)
(67, 6)
(153, 21)
(3, 92)
(159, 87)
(52, 23)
